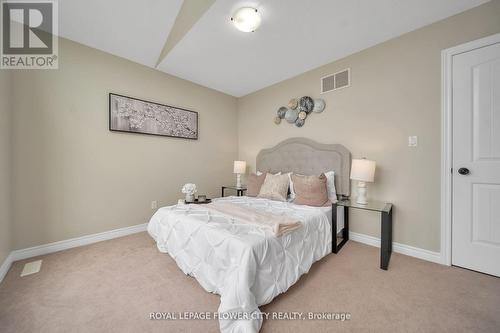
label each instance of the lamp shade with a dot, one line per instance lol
(239, 167)
(363, 170)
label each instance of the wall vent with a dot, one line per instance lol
(336, 81)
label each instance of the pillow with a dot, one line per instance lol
(310, 190)
(291, 195)
(258, 173)
(330, 186)
(254, 183)
(275, 187)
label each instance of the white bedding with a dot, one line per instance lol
(247, 265)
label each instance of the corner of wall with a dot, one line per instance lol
(5, 164)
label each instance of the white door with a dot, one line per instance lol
(476, 160)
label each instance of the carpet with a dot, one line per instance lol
(113, 286)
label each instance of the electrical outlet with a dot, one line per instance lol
(154, 204)
(412, 141)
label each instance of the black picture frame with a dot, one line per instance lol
(110, 95)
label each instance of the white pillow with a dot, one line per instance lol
(258, 173)
(330, 186)
(292, 195)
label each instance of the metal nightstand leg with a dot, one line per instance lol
(345, 232)
(334, 228)
(386, 239)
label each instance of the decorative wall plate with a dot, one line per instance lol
(282, 111)
(291, 115)
(292, 104)
(306, 104)
(319, 105)
(298, 110)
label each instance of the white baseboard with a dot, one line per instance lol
(89, 239)
(4, 268)
(66, 244)
(398, 248)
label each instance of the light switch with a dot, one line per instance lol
(412, 141)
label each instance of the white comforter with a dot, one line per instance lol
(247, 265)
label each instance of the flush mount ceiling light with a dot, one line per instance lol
(246, 19)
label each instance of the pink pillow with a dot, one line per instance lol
(254, 183)
(310, 190)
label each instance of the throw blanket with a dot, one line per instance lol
(278, 224)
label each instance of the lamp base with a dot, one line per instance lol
(238, 180)
(362, 194)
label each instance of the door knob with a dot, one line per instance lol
(463, 171)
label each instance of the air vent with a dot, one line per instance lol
(336, 81)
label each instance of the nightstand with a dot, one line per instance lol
(239, 190)
(385, 210)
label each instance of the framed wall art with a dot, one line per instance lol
(132, 115)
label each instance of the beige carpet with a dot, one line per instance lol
(112, 286)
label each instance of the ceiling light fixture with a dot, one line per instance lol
(246, 19)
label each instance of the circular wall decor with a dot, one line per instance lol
(299, 122)
(319, 105)
(291, 115)
(281, 112)
(302, 115)
(277, 120)
(292, 104)
(306, 104)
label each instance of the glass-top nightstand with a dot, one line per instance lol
(385, 209)
(239, 190)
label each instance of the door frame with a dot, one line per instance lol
(447, 139)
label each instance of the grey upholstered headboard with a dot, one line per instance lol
(307, 157)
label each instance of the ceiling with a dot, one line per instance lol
(295, 35)
(120, 27)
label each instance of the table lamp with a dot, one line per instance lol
(363, 171)
(239, 168)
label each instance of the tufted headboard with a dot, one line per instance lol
(307, 157)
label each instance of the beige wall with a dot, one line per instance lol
(395, 93)
(5, 220)
(73, 177)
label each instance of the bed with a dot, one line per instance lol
(246, 265)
